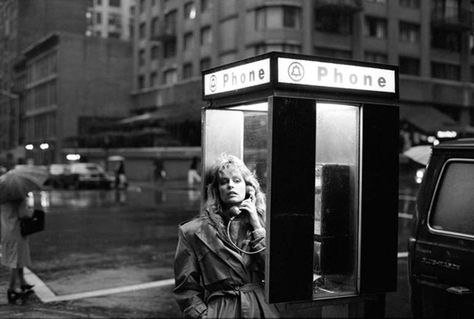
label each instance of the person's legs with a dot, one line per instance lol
(15, 281)
(15, 292)
(24, 285)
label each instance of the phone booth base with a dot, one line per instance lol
(321, 136)
(370, 306)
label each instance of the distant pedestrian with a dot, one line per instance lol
(193, 174)
(15, 248)
(159, 173)
(120, 177)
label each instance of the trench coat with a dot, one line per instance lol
(215, 280)
(15, 248)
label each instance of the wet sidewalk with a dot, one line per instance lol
(154, 301)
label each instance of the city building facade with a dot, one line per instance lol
(110, 19)
(24, 25)
(431, 41)
(71, 83)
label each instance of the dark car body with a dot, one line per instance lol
(441, 246)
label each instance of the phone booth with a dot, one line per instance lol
(321, 136)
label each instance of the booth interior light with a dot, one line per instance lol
(44, 146)
(29, 147)
(257, 107)
(73, 157)
(334, 106)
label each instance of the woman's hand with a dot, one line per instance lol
(249, 206)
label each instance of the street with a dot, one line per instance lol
(112, 252)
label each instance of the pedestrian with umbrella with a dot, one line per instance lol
(14, 187)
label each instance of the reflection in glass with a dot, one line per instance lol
(241, 131)
(336, 198)
(255, 144)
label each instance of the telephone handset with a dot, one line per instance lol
(249, 193)
(234, 212)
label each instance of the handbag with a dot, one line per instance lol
(33, 224)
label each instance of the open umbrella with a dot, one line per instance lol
(420, 153)
(16, 183)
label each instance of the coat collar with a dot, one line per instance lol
(220, 246)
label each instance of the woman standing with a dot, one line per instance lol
(219, 268)
(15, 248)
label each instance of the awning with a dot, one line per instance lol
(141, 118)
(428, 119)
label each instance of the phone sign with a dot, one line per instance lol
(238, 77)
(316, 73)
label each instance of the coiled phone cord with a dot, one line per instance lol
(236, 247)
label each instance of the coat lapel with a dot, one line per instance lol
(219, 246)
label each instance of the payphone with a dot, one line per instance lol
(321, 136)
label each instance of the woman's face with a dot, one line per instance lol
(231, 187)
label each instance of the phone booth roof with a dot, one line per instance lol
(277, 73)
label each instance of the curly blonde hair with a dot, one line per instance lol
(213, 204)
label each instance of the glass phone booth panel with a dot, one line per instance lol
(243, 131)
(336, 200)
(240, 131)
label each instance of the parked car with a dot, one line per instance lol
(441, 245)
(91, 175)
(60, 176)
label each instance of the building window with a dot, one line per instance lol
(205, 63)
(446, 9)
(376, 57)
(188, 41)
(376, 27)
(153, 79)
(206, 36)
(155, 52)
(114, 3)
(170, 76)
(414, 4)
(115, 21)
(332, 21)
(99, 2)
(278, 17)
(409, 32)
(170, 22)
(141, 57)
(187, 70)
(445, 71)
(141, 82)
(98, 18)
(446, 40)
(206, 5)
(113, 35)
(377, 1)
(189, 11)
(142, 31)
(169, 48)
(333, 53)
(408, 65)
(154, 27)
(142, 6)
